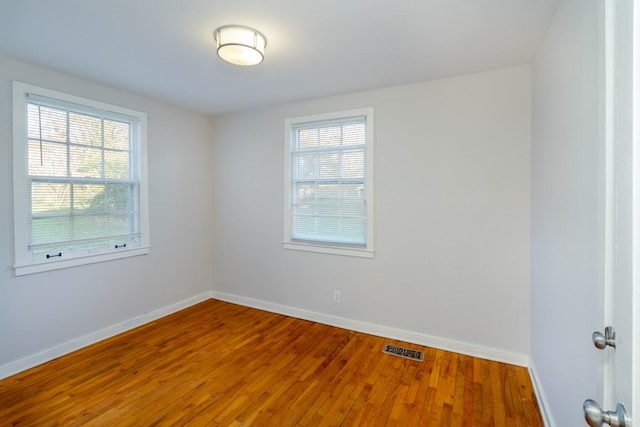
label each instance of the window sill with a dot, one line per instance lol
(21, 270)
(332, 250)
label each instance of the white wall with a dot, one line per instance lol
(451, 208)
(566, 227)
(41, 311)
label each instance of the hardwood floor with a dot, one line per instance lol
(220, 364)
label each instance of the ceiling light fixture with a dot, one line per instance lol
(240, 45)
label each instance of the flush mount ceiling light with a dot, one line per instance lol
(240, 45)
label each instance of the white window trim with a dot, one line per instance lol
(364, 252)
(23, 260)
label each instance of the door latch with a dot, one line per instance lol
(608, 339)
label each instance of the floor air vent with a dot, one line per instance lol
(403, 352)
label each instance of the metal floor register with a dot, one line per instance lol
(403, 352)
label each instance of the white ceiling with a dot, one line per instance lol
(165, 48)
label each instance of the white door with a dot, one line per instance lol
(622, 214)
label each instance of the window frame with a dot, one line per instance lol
(365, 251)
(25, 261)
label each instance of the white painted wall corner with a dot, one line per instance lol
(543, 403)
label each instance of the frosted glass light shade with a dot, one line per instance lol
(240, 45)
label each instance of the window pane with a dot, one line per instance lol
(53, 124)
(86, 130)
(116, 164)
(353, 164)
(50, 230)
(88, 198)
(307, 138)
(50, 198)
(331, 136)
(304, 227)
(305, 199)
(329, 165)
(119, 198)
(305, 193)
(328, 228)
(328, 199)
(116, 135)
(120, 224)
(307, 166)
(353, 229)
(353, 134)
(352, 200)
(47, 159)
(89, 226)
(33, 121)
(85, 162)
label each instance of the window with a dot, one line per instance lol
(79, 181)
(328, 183)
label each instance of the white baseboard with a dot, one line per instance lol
(543, 403)
(92, 338)
(341, 322)
(379, 330)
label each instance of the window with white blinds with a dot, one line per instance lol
(79, 180)
(329, 183)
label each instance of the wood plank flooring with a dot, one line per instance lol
(220, 364)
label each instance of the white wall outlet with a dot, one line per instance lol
(336, 296)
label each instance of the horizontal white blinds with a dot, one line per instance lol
(83, 177)
(328, 195)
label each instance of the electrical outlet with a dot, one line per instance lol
(336, 296)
